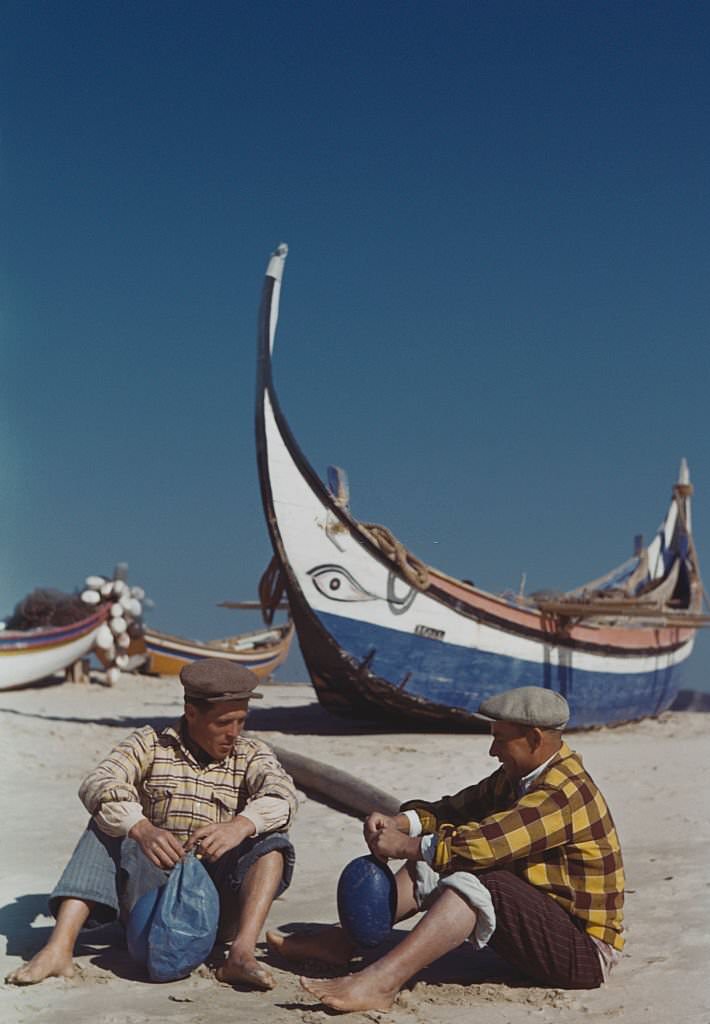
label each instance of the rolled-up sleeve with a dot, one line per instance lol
(110, 792)
(272, 801)
(268, 813)
(117, 818)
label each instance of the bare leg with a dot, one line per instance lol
(330, 944)
(443, 928)
(54, 960)
(255, 898)
(406, 900)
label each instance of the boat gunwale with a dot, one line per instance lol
(52, 635)
(222, 646)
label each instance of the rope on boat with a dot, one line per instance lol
(412, 568)
(272, 587)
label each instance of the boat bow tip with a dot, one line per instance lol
(276, 263)
(683, 488)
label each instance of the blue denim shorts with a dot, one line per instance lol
(112, 873)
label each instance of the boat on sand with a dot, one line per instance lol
(29, 655)
(385, 636)
(261, 650)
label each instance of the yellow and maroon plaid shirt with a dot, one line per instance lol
(177, 791)
(559, 837)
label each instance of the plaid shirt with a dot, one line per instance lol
(559, 836)
(176, 791)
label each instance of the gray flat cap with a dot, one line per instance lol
(526, 705)
(215, 679)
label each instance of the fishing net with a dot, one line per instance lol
(47, 607)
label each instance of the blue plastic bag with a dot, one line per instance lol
(173, 929)
(138, 925)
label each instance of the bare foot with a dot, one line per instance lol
(246, 971)
(329, 945)
(353, 992)
(48, 963)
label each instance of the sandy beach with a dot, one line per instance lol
(52, 735)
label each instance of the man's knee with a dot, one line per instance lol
(272, 856)
(260, 858)
(269, 865)
(500, 884)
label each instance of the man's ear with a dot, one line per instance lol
(190, 712)
(535, 738)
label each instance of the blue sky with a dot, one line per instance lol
(495, 307)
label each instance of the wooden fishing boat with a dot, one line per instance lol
(261, 650)
(29, 655)
(382, 634)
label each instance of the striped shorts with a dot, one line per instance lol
(538, 937)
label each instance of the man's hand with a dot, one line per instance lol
(389, 841)
(211, 841)
(161, 847)
(388, 836)
(377, 821)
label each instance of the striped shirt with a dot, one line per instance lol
(559, 836)
(159, 776)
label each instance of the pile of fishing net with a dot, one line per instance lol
(46, 607)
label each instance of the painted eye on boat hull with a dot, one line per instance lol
(336, 583)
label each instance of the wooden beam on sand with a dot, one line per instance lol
(333, 786)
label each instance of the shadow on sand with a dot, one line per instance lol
(462, 966)
(24, 938)
(302, 720)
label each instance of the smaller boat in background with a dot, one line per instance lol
(261, 650)
(29, 655)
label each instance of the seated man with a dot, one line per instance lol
(527, 861)
(197, 785)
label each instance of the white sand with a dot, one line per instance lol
(654, 775)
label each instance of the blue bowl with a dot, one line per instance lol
(367, 901)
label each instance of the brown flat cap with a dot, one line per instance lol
(526, 705)
(216, 679)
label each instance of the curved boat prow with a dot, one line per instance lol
(275, 271)
(378, 641)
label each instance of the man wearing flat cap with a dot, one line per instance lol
(198, 785)
(526, 861)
